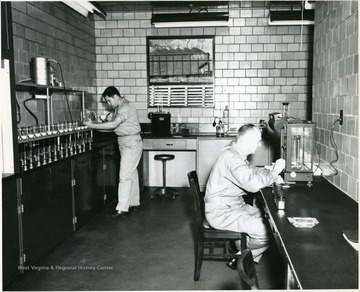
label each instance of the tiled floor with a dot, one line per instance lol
(151, 249)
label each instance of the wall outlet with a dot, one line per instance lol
(341, 117)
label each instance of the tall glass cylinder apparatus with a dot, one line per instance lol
(297, 147)
(226, 120)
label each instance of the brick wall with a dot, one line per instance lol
(45, 29)
(257, 66)
(335, 87)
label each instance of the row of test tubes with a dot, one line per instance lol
(37, 153)
(30, 132)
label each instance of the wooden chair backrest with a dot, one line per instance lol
(198, 200)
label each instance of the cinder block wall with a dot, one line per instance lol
(336, 87)
(257, 66)
(53, 30)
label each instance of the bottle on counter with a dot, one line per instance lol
(226, 115)
(226, 119)
(220, 132)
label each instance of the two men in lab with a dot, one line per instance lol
(125, 124)
(231, 178)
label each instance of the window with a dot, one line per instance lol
(180, 71)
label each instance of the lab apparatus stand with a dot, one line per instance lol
(297, 148)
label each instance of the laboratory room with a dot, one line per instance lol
(179, 145)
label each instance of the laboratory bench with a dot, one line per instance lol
(317, 257)
(44, 205)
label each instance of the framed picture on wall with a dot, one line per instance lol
(180, 71)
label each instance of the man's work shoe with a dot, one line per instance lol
(117, 213)
(134, 208)
(232, 264)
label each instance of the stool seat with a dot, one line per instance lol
(164, 157)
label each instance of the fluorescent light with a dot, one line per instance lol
(191, 24)
(291, 22)
(84, 7)
(89, 6)
(190, 19)
(77, 7)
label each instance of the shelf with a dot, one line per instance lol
(31, 86)
(48, 90)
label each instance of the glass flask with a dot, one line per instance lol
(24, 133)
(37, 131)
(19, 133)
(285, 110)
(43, 130)
(31, 132)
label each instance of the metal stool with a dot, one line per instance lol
(164, 191)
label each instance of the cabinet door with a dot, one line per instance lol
(111, 172)
(97, 178)
(10, 231)
(61, 201)
(36, 215)
(82, 189)
(208, 152)
(47, 210)
(176, 169)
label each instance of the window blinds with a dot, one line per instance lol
(181, 95)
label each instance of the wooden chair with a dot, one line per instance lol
(207, 237)
(246, 269)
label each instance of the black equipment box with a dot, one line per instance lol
(160, 125)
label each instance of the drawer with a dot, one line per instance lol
(169, 144)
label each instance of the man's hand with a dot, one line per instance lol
(279, 165)
(87, 123)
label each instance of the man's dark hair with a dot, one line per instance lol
(111, 91)
(245, 128)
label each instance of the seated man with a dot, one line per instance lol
(231, 177)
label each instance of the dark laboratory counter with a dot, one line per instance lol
(46, 204)
(318, 257)
(193, 135)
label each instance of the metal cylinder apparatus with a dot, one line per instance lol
(40, 71)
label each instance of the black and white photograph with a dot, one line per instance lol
(179, 145)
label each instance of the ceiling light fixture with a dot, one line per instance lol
(84, 7)
(190, 14)
(290, 13)
(190, 20)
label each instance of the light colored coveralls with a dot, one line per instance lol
(130, 147)
(225, 208)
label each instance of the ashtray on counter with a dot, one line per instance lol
(303, 222)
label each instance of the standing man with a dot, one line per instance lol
(125, 124)
(231, 178)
